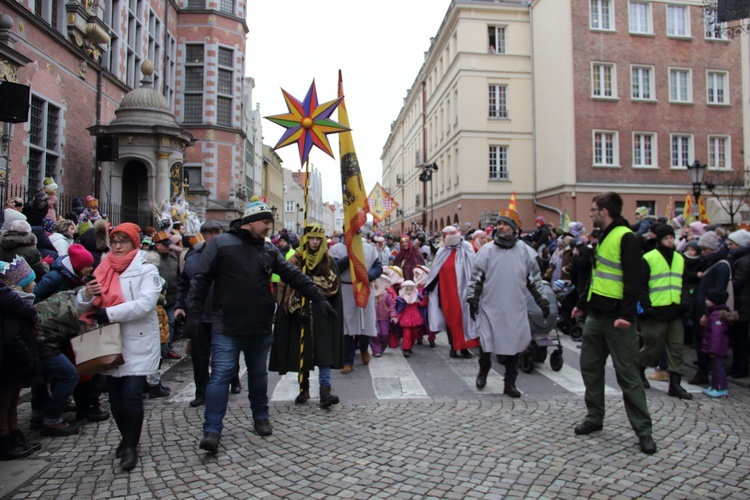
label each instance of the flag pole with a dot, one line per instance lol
(303, 300)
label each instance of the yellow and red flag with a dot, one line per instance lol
(669, 214)
(381, 203)
(512, 204)
(687, 211)
(702, 214)
(355, 205)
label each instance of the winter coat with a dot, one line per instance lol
(35, 211)
(43, 243)
(15, 243)
(241, 265)
(96, 243)
(60, 278)
(19, 357)
(385, 307)
(169, 264)
(141, 286)
(358, 321)
(716, 330)
(408, 314)
(61, 243)
(58, 323)
(715, 276)
(740, 260)
(183, 283)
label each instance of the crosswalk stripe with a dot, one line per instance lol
(393, 378)
(288, 387)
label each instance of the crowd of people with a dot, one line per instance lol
(644, 291)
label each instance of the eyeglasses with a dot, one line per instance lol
(17, 204)
(592, 210)
(119, 243)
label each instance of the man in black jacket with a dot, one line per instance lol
(240, 264)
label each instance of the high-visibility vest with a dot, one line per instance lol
(606, 277)
(665, 283)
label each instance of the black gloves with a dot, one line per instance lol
(544, 306)
(192, 326)
(328, 310)
(100, 315)
(473, 310)
(299, 317)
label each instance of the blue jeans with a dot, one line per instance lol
(324, 376)
(63, 377)
(225, 352)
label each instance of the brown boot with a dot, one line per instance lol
(347, 369)
(327, 398)
(700, 378)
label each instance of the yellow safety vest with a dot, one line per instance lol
(665, 284)
(606, 277)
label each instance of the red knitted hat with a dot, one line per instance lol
(80, 258)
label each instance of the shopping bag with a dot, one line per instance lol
(98, 349)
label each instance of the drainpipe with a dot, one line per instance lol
(533, 117)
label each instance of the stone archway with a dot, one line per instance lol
(135, 194)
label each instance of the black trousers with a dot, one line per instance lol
(510, 362)
(200, 354)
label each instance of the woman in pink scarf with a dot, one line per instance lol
(125, 291)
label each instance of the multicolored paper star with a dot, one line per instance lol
(307, 123)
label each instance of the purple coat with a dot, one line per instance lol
(716, 331)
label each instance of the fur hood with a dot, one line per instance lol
(729, 316)
(14, 239)
(101, 236)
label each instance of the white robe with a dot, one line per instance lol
(464, 264)
(502, 324)
(353, 324)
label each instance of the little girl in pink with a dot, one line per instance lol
(409, 318)
(385, 310)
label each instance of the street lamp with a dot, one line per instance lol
(696, 171)
(425, 176)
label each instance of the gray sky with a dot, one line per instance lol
(378, 46)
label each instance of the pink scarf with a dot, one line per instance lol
(108, 276)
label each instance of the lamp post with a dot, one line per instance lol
(425, 176)
(696, 171)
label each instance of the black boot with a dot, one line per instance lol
(644, 380)
(675, 389)
(117, 415)
(133, 424)
(304, 393)
(511, 390)
(20, 440)
(327, 398)
(9, 450)
(700, 378)
(485, 364)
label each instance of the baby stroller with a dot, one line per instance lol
(541, 334)
(567, 298)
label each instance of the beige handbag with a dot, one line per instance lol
(98, 349)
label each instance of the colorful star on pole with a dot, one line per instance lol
(307, 123)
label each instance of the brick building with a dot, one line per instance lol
(185, 120)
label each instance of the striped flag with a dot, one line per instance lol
(565, 222)
(381, 203)
(670, 210)
(355, 206)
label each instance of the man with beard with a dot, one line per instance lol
(503, 271)
(408, 258)
(663, 299)
(447, 284)
(609, 330)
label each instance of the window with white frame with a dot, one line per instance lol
(642, 83)
(678, 20)
(44, 141)
(289, 207)
(289, 225)
(682, 149)
(716, 87)
(606, 153)
(193, 95)
(224, 87)
(713, 29)
(602, 80)
(640, 18)
(111, 58)
(680, 85)
(644, 149)
(496, 42)
(601, 16)
(719, 152)
(498, 101)
(134, 44)
(499, 163)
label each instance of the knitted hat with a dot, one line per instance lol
(20, 226)
(92, 202)
(717, 296)
(709, 240)
(11, 215)
(740, 238)
(77, 205)
(691, 244)
(698, 228)
(17, 272)
(256, 211)
(576, 228)
(49, 184)
(130, 230)
(541, 220)
(663, 231)
(80, 258)
(314, 231)
(48, 225)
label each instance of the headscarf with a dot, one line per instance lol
(313, 258)
(406, 251)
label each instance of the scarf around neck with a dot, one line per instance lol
(108, 276)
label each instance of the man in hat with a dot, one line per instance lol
(200, 352)
(609, 330)
(664, 299)
(239, 264)
(503, 271)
